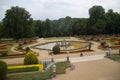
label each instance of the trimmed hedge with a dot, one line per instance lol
(25, 69)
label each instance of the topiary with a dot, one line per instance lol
(56, 49)
(30, 58)
(27, 49)
(3, 70)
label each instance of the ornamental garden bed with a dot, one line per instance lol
(113, 43)
(5, 49)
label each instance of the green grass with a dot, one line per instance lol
(115, 57)
(57, 38)
(78, 44)
(60, 69)
(9, 49)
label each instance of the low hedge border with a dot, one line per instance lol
(25, 68)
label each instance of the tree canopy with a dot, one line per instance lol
(17, 23)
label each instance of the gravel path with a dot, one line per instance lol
(103, 69)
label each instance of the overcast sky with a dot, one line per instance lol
(54, 9)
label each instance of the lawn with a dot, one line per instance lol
(60, 69)
(78, 44)
(8, 48)
(115, 57)
(57, 38)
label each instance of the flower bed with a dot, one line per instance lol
(19, 54)
(114, 42)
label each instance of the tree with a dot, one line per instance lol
(112, 22)
(96, 22)
(47, 28)
(38, 28)
(1, 30)
(18, 23)
(96, 12)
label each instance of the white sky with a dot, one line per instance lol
(54, 9)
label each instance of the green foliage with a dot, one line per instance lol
(27, 49)
(99, 22)
(3, 53)
(61, 66)
(115, 57)
(30, 58)
(26, 69)
(96, 12)
(56, 49)
(3, 70)
(18, 19)
(38, 28)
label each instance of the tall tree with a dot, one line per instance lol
(18, 23)
(47, 28)
(113, 22)
(96, 12)
(38, 28)
(95, 25)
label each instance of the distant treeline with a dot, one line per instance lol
(18, 24)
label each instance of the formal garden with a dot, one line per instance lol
(38, 68)
(30, 64)
(36, 44)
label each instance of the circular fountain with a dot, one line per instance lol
(64, 45)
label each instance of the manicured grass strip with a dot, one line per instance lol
(57, 38)
(61, 66)
(78, 44)
(115, 57)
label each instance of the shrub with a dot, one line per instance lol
(3, 70)
(56, 49)
(3, 53)
(30, 58)
(20, 46)
(27, 49)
